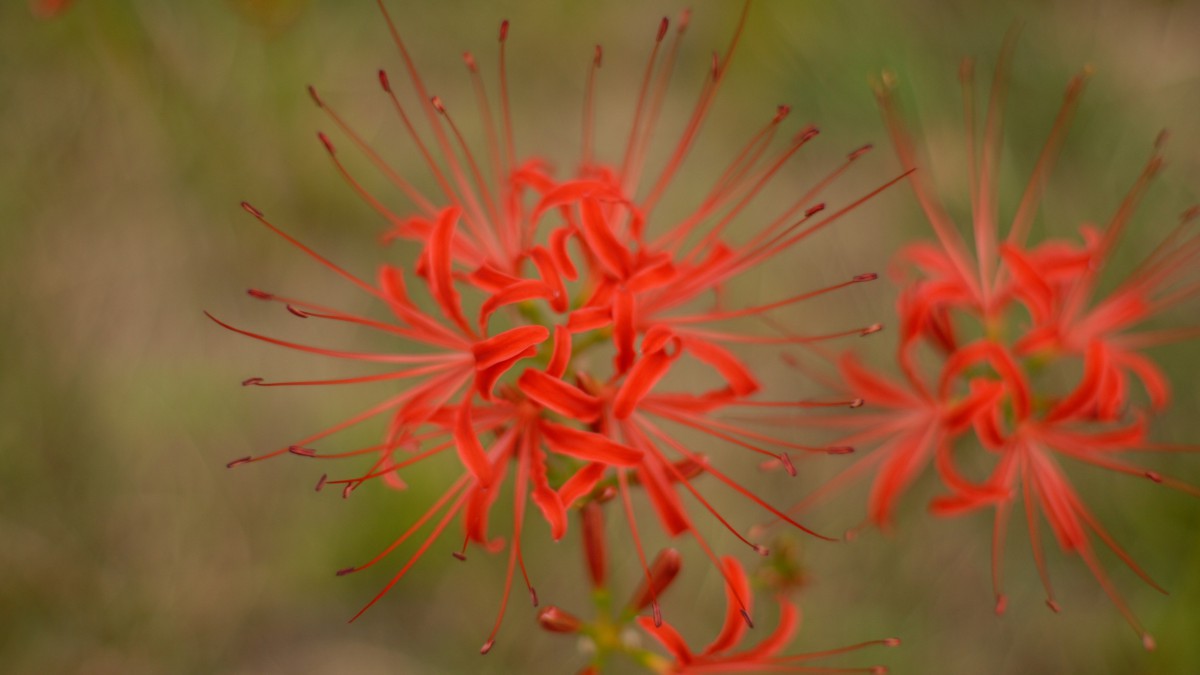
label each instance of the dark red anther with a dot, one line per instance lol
(237, 462)
(347, 490)
(533, 596)
(840, 449)
(662, 29)
(384, 81)
(250, 381)
(298, 312)
(873, 328)
(656, 611)
(1154, 476)
(814, 210)
(869, 276)
(598, 57)
(860, 152)
(762, 550)
(437, 104)
(458, 555)
(261, 295)
(344, 571)
(891, 642)
(321, 482)
(301, 451)
(469, 59)
(326, 142)
(312, 91)
(857, 403)
(781, 112)
(746, 616)
(251, 210)
(487, 646)
(787, 464)
(503, 37)
(1053, 606)
(807, 134)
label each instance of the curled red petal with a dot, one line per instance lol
(440, 258)
(735, 627)
(466, 441)
(639, 381)
(737, 376)
(506, 345)
(485, 380)
(559, 396)
(581, 483)
(613, 255)
(624, 329)
(664, 499)
(588, 446)
(561, 357)
(588, 318)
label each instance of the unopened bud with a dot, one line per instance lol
(556, 620)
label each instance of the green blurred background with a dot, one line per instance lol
(131, 130)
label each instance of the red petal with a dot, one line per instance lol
(588, 318)
(485, 380)
(440, 259)
(668, 637)
(466, 440)
(547, 500)
(664, 499)
(651, 277)
(588, 446)
(736, 374)
(559, 396)
(639, 381)
(558, 248)
(490, 279)
(508, 344)
(581, 483)
(735, 627)
(624, 330)
(613, 256)
(550, 274)
(562, 352)
(525, 289)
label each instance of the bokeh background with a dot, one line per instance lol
(131, 129)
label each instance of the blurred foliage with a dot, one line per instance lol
(132, 129)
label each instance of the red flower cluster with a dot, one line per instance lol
(1034, 364)
(529, 275)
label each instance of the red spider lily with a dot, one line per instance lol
(1036, 307)
(719, 656)
(560, 267)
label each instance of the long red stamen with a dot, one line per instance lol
(708, 468)
(380, 163)
(258, 215)
(627, 503)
